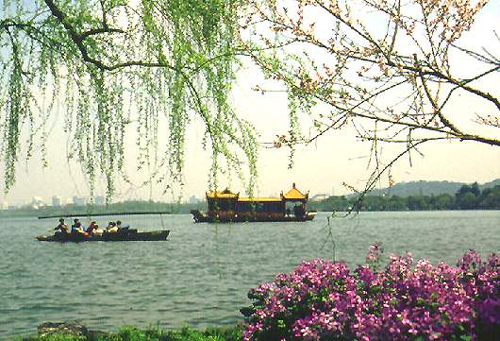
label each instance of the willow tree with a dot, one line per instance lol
(113, 63)
(398, 72)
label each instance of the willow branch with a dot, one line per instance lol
(78, 39)
(96, 31)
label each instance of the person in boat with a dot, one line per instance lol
(111, 227)
(97, 231)
(61, 228)
(91, 228)
(299, 211)
(122, 226)
(77, 227)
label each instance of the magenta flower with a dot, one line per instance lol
(323, 300)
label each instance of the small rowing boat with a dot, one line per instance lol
(126, 235)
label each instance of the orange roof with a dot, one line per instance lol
(225, 194)
(294, 194)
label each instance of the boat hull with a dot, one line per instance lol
(121, 236)
(200, 217)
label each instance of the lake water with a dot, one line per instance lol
(202, 274)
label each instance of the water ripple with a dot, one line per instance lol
(202, 274)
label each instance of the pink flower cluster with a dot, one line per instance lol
(322, 300)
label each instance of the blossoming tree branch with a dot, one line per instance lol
(399, 72)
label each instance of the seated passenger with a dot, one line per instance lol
(62, 227)
(97, 231)
(91, 227)
(122, 227)
(77, 227)
(111, 227)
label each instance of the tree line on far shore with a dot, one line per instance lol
(468, 197)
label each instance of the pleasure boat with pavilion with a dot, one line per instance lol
(226, 206)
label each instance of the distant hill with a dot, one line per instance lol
(490, 184)
(405, 189)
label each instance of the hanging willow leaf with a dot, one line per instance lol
(113, 62)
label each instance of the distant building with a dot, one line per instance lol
(193, 200)
(5, 205)
(37, 202)
(319, 197)
(78, 201)
(56, 201)
(99, 200)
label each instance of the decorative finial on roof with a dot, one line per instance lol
(293, 185)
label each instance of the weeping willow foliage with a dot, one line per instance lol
(115, 63)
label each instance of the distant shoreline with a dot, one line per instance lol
(467, 197)
(24, 214)
(116, 209)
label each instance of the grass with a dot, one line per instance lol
(130, 333)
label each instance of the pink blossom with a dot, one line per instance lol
(323, 300)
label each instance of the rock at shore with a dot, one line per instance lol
(71, 328)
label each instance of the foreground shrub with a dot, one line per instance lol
(323, 300)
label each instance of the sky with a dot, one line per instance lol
(320, 168)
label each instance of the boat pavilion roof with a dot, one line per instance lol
(225, 194)
(295, 194)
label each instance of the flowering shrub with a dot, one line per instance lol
(322, 300)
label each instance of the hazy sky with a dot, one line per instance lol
(320, 168)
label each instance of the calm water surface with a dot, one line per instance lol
(202, 274)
